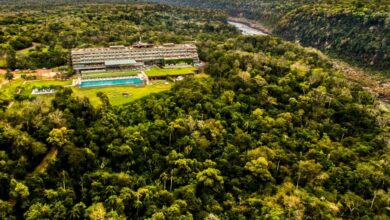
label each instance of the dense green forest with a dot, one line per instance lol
(357, 31)
(274, 132)
(266, 11)
(37, 37)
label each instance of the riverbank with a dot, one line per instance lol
(251, 23)
(375, 84)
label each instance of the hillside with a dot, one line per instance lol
(271, 130)
(57, 31)
(267, 12)
(358, 33)
(275, 131)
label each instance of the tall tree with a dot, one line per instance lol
(11, 58)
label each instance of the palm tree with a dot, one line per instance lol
(57, 117)
(74, 214)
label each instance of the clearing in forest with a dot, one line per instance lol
(50, 156)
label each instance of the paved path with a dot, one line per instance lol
(143, 75)
(6, 81)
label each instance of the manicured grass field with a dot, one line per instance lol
(156, 71)
(50, 83)
(115, 94)
(106, 75)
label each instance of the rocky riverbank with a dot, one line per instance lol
(251, 23)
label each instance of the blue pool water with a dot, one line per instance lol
(111, 82)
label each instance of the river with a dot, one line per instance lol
(246, 30)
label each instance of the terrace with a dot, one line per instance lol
(102, 75)
(165, 72)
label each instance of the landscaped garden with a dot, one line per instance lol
(10, 89)
(30, 85)
(119, 95)
(20, 89)
(156, 71)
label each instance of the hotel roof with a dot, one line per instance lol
(120, 47)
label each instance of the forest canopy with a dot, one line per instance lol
(355, 30)
(273, 131)
(40, 37)
(358, 32)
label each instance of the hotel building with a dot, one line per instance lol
(117, 58)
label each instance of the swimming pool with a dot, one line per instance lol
(111, 82)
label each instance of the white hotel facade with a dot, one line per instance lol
(131, 57)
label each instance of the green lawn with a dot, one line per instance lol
(10, 89)
(105, 75)
(50, 83)
(26, 51)
(201, 75)
(29, 86)
(156, 71)
(115, 94)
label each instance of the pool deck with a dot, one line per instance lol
(142, 76)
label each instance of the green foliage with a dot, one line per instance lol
(8, 75)
(47, 36)
(18, 190)
(289, 139)
(58, 137)
(274, 131)
(266, 11)
(356, 33)
(96, 211)
(156, 71)
(11, 59)
(178, 61)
